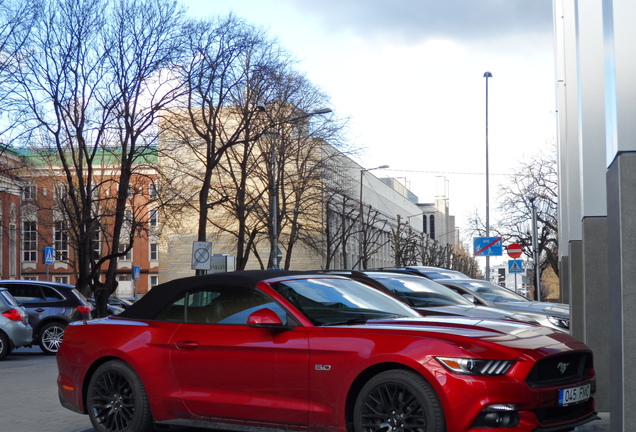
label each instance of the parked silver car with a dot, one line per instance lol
(484, 293)
(15, 330)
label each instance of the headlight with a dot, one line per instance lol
(480, 367)
(559, 321)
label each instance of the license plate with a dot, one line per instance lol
(574, 395)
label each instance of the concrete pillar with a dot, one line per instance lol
(596, 332)
(621, 204)
(576, 289)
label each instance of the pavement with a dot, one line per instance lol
(601, 425)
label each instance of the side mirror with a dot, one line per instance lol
(264, 318)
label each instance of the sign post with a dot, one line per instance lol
(515, 266)
(201, 256)
(49, 258)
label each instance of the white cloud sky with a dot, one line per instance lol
(409, 74)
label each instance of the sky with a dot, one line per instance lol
(409, 76)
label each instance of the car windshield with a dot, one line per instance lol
(334, 301)
(417, 291)
(494, 293)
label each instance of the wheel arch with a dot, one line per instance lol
(91, 371)
(361, 380)
(49, 320)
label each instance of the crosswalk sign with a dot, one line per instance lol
(49, 255)
(515, 266)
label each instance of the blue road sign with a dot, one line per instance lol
(487, 246)
(49, 255)
(136, 270)
(515, 266)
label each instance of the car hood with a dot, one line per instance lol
(505, 334)
(557, 309)
(472, 311)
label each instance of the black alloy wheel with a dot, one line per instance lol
(398, 401)
(50, 337)
(117, 401)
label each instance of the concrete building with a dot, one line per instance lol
(596, 93)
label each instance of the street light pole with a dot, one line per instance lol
(487, 75)
(361, 263)
(274, 177)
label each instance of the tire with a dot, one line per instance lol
(116, 400)
(50, 337)
(398, 401)
(5, 345)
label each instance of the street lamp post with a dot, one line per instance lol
(487, 75)
(274, 249)
(361, 248)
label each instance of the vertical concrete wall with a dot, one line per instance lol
(595, 331)
(621, 184)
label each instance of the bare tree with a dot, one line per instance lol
(229, 63)
(534, 181)
(87, 85)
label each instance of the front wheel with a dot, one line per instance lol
(50, 337)
(116, 400)
(398, 401)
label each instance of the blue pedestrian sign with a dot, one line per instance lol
(136, 271)
(487, 246)
(515, 266)
(49, 255)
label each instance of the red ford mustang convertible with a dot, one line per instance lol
(317, 353)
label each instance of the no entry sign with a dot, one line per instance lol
(514, 250)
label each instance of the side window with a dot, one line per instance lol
(26, 293)
(230, 306)
(50, 295)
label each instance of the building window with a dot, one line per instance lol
(154, 281)
(61, 279)
(61, 241)
(432, 224)
(30, 193)
(154, 218)
(31, 278)
(97, 246)
(128, 218)
(128, 255)
(154, 251)
(29, 241)
(61, 191)
(124, 278)
(152, 190)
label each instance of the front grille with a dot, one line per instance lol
(561, 369)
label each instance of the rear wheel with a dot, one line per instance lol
(5, 345)
(50, 337)
(116, 400)
(398, 401)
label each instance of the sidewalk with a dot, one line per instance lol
(602, 425)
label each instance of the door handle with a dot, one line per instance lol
(186, 344)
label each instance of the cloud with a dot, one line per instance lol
(417, 20)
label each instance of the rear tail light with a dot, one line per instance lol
(84, 310)
(13, 315)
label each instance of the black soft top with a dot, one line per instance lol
(163, 294)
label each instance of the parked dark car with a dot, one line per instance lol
(484, 293)
(15, 330)
(434, 273)
(111, 309)
(320, 353)
(427, 296)
(121, 302)
(51, 306)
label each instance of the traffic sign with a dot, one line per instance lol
(136, 272)
(514, 250)
(201, 255)
(515, 266)
(487, 246)
(49, 255)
